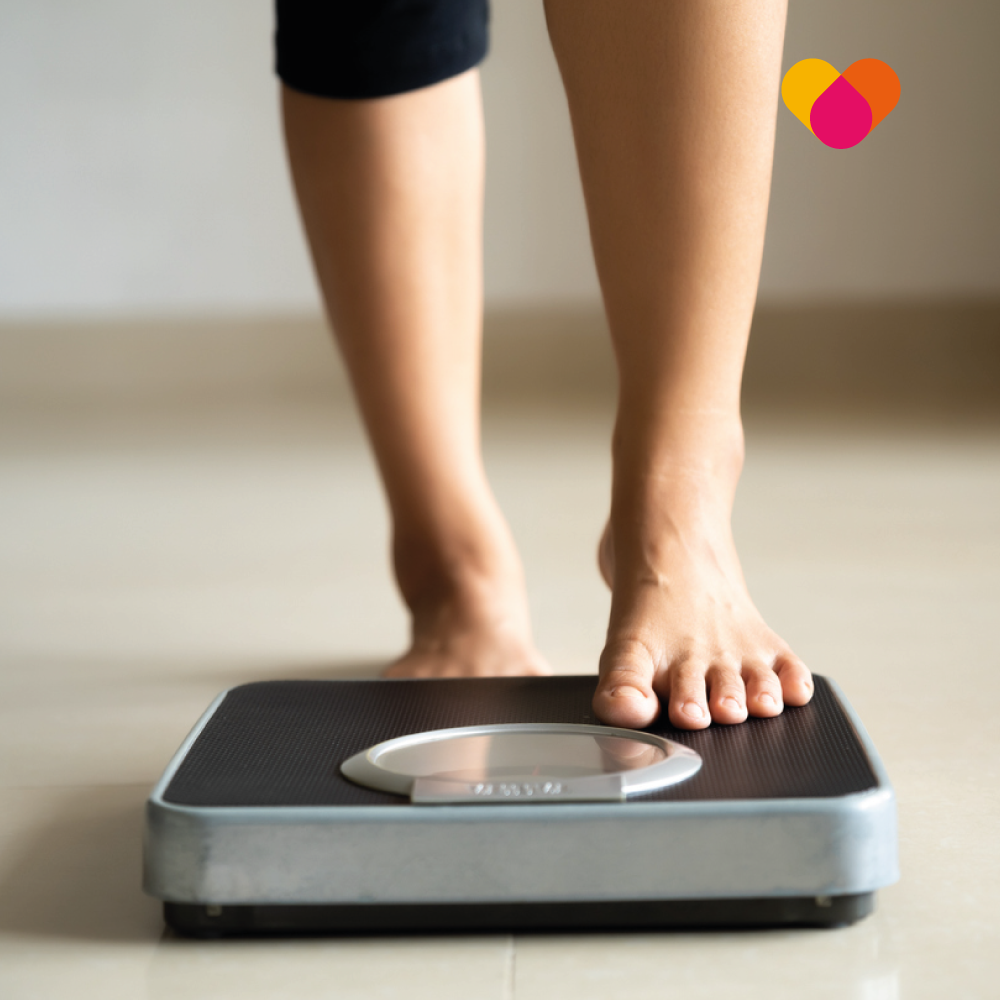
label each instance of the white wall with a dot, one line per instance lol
(140, 165)
(915, 209)
(141, 168)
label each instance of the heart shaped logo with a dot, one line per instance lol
(840, 109)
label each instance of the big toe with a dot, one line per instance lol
(625, 695)
(605, 556)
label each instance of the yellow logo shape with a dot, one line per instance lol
(803, 83)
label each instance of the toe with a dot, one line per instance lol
(688, 704)
(763, 690)
(624, 695)
(605, 556)
(727, 694)
(796, 679)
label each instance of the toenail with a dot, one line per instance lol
(625, 691)
(766, 699)
(693, 710)
(732, 703)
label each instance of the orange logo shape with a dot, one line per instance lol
(840, 109)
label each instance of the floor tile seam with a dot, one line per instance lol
(66, 787)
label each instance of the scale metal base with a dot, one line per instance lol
(254, 828)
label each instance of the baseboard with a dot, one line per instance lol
(167, 360)
(929, 354)
(828, 355)
(840, 355)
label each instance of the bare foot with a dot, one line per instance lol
(683, 627)
(469, 612)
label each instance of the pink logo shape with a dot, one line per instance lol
(840, 116)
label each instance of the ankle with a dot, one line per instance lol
(691, 473)
(466, 566)
(693, 444)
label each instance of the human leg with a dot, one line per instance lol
(673, 108)
(390, 192)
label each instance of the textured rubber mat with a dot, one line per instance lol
(281, 743)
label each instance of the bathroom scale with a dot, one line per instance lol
(466, 804)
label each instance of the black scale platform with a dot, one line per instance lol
(281, 743)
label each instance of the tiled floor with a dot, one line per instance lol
(152, 556)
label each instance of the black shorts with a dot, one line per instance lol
(374, 48)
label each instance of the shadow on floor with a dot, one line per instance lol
(72, 857)
(74, 868)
